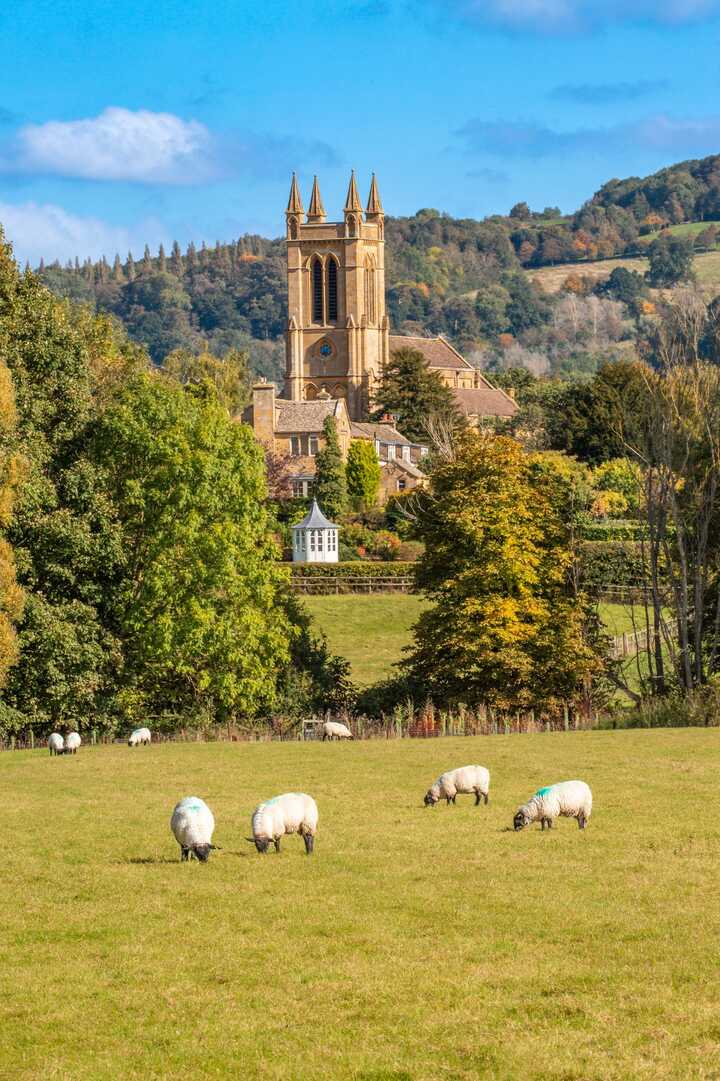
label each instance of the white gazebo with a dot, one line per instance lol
(315, 539)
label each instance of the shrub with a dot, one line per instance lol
(348, 569)
(700, 708)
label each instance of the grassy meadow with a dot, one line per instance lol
(415, 945)
(372, 630)
(706, 266)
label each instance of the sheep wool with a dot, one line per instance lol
(568, 799)
(56, 744)
(72, 742)
(293, 812)
(139, 736)
(193, 824)
(464, 779)
(335, 730)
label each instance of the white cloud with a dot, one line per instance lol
(550, 16)
(47, 231)
(118, 144)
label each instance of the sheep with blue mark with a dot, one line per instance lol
(568, 799)
(193, 824)
(293, 812)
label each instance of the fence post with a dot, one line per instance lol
(566, 717)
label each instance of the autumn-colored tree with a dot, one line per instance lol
(505, 628)
(229, 375)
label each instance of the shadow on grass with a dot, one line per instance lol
(149, 861)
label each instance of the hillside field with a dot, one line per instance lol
(415, 945)
(706, 266)
(371, 631)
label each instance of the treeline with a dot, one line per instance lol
(139, 569)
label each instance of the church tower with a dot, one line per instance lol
(337, 335)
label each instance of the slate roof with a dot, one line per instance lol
(405, 467)
(437, 351)
(484, 401)
(384, 432)
(315, 519)
(304, 416)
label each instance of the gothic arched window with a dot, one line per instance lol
(332, 290)
(317, 291)
(370, 290)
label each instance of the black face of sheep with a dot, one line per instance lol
(202, 852)
(262, 845)
(429, 800)
(520, 821)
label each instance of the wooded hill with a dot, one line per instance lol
(459, 277)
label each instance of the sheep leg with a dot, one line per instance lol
(184, 853)
(447, 798)
(581, 821)
(309, 840)
(477, 796)
(277, 844)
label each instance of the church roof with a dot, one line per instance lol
(315, 519)
(437, 351)
(484, 401)
(304, 416)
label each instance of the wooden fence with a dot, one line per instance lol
(346, 584)
(630, 643)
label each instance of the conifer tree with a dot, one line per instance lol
(162, 263)
(363, 474)
(117, 274)
(147, 261)
(415, 395)
(330, 487)
(130, 267)
(191, 257)
(176, 263)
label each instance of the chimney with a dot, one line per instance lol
(264, 413)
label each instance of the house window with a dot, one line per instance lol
(332, 291)
(406, 454)
(295, 446)
(300, 489)
(391, 452)
(317, 291)
(312, 446)
(401, 484)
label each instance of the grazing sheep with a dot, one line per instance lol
(335, 730)
(56, 744)
(293, 812)
(72, 742)
(464, 779)
(569, 799)
(140, 735)
(192, 824)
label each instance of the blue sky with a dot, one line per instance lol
(128, 122)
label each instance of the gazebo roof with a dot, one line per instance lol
(315, 519)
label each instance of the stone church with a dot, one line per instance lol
(338, 341)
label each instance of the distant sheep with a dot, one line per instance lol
(72, 742)
(335, 730)
(139, 736)
(293, 812)
(568, 799)
(193, 824)
(464, 779)
(56, 744)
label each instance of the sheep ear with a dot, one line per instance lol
(251, 840)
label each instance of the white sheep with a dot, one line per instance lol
(335, 730)
(464, 779)
(293, 812)
(569, 799)
(140, 735)
(192, 824)
(72, 742)
(56, 744)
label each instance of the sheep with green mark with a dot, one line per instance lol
(293, 812)
(463, 779)
(193, 824)
(568, 799)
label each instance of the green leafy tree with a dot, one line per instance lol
(11, 595)
(671, 260)
(415, 395)
(363, 475)
(505, 628)
(330, 488)
(197, 597)
(229, 375)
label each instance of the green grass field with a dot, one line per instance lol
(371, 631)
(415, 945)
(706, 266)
